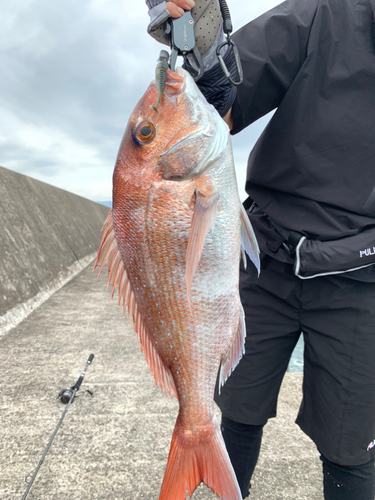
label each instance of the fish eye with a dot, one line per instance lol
(145, 132)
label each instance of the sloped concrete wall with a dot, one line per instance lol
(47, 235)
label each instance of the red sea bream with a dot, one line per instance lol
(173, 244)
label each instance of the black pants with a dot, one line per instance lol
(337, 317)
(340, 482)
(243, 445)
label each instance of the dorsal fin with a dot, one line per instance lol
(109, 254)
(248, 240)
(203, 219)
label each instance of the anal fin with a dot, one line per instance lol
(236, 350)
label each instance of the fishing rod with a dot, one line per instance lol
(66, 396)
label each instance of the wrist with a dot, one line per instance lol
(153, 3)
(158, 15)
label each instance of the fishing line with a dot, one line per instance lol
(66, 396)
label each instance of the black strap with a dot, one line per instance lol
(292, 238)
(248, 203)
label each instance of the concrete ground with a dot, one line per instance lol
(114, 444)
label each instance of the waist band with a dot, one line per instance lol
(313, 258)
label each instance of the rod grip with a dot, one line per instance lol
(79, 381)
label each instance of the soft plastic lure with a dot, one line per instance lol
(161, 76)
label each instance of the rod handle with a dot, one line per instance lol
(79, 381)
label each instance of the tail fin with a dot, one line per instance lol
(196, 458)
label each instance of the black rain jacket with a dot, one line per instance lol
(313, 168)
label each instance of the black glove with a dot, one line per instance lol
(215, 86)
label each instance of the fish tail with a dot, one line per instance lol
(195, 459)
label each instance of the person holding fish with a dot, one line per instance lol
(310, 182)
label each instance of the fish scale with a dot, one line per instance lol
(178, 228)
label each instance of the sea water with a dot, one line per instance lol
(296, 361)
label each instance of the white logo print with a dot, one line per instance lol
(371, 445)
(367, 252)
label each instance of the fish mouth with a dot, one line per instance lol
(187, 157)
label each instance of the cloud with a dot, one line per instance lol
(71, 75)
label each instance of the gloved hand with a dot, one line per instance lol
(208, 29)
(206, 14)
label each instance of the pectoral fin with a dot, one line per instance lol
(203, 219)
(248, 240)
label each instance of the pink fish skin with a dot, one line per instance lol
(173, 245)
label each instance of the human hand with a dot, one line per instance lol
(176, 8)
(206, 14)
(208, 36)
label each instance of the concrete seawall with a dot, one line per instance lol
(48, 235)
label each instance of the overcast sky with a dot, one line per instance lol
(71, 74)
